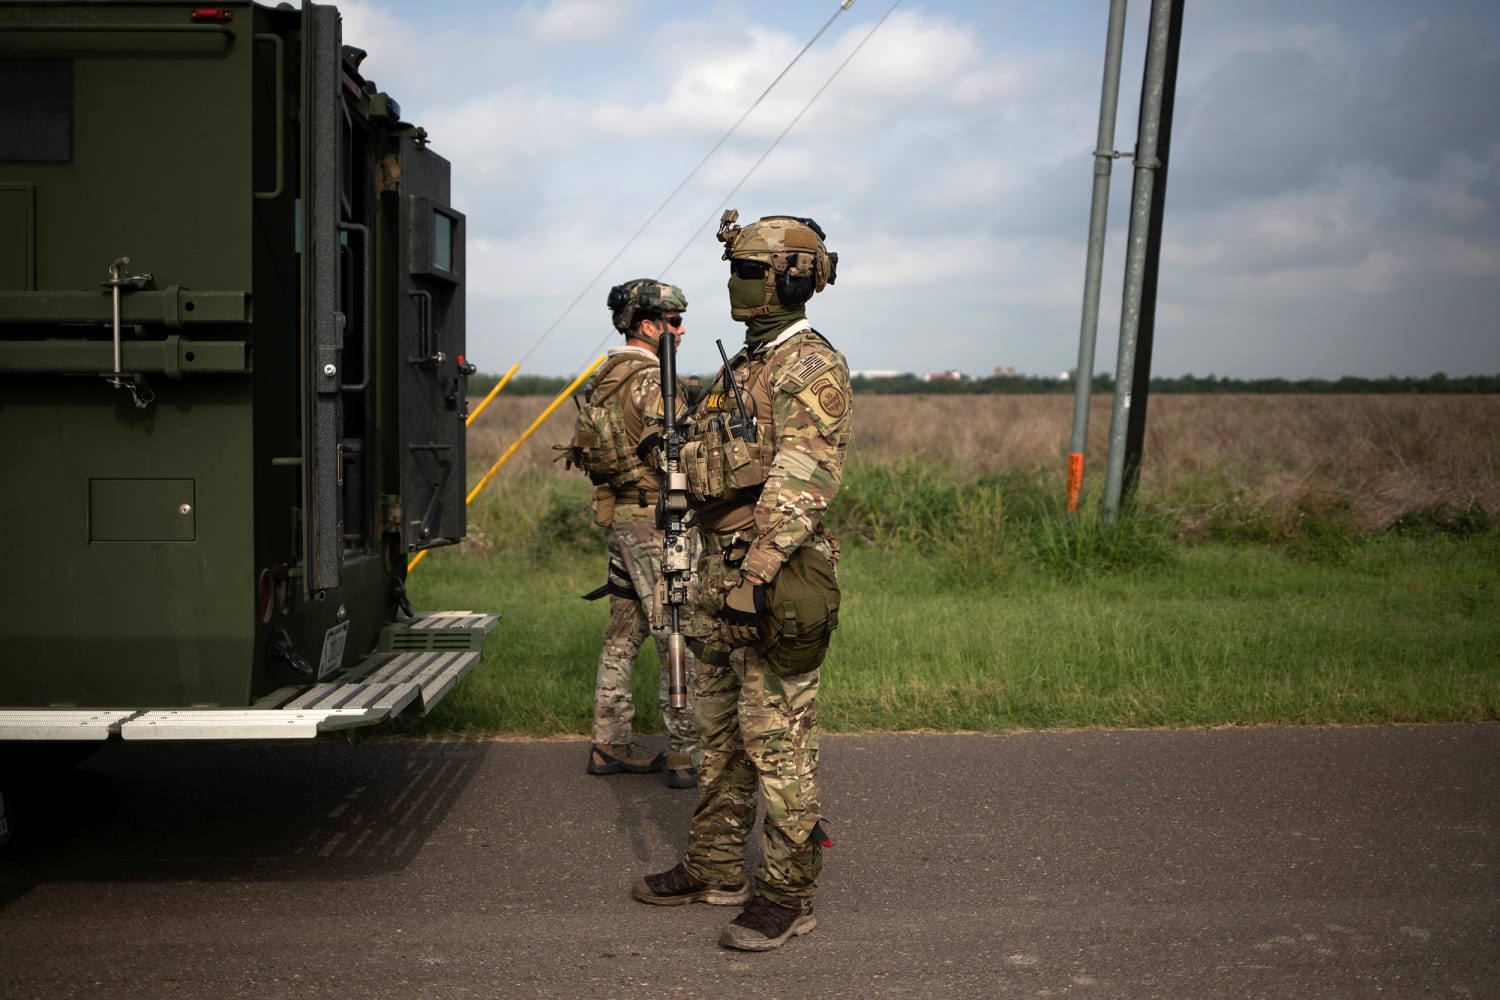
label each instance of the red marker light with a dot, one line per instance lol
(216, 15)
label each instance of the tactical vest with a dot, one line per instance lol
(602, 444)
(725, 472)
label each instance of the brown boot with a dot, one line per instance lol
(680, 771)
(764, 925)
(632, 758)
(676, 885)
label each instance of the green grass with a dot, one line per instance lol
(1177, 634)
(1399, 633)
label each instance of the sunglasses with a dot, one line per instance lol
(748, 269)
(675, 322)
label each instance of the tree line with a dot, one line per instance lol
(910, 384)
(1197, 384)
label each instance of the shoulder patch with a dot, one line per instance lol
(825, 402)
(830, 397)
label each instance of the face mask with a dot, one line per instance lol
(746, 293)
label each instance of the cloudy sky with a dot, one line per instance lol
(1333, 204)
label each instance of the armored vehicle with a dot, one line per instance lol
(232, 378)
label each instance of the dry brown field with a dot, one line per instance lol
(1383, 455)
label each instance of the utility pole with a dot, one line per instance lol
(1135, 431)
(1146, 167)
(1104, 158)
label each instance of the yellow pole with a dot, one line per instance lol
(512, 449)
(493, 393)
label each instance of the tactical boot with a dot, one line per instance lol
(764, 925)
(680, 771)
(676, 886)
(632, 758)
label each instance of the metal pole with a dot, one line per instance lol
(1104, 159)
(1135, 250)
(1135, 428)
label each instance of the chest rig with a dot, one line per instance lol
(727, 457)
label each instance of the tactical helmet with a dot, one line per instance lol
(643, 298)
(791, 247)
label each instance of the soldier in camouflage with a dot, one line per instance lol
(622, 404)
(764, 457)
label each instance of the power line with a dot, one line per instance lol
(845, 5)
(717, 213)
(777, 141)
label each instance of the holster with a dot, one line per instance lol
(604, 506)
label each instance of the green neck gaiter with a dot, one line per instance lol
(750, 293)
(764, 329)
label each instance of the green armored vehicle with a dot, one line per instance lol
(232, 378)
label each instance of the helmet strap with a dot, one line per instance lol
(745, 315)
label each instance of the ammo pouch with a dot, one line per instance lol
(718, 465)
(802, 610)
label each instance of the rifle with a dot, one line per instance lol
(671, 516)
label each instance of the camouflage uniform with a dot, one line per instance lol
(625, 390)
(758, 724)
(636, 548)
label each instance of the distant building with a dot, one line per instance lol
(876, 373)
(951, 376)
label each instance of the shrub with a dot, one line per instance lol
(1079, 546)
(1320, 528)
(1239, 519)
(1444, 519)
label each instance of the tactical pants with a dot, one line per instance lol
(759, 733)
(638, 547)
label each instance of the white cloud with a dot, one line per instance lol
(910, 58)
(566, 21)
(490, 131)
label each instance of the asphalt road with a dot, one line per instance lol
(1295, 863)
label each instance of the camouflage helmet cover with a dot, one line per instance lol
(643, 298)
(791, 245)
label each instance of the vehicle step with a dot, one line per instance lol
(244, 723)
(60, 723)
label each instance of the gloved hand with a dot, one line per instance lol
(650, 443)
(739, 619)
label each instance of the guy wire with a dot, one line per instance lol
(774, 143)
(777, 141)
(683, 183)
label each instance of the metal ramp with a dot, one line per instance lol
(405, 678)
(416, 665)
(241, 724)
(67, 724)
